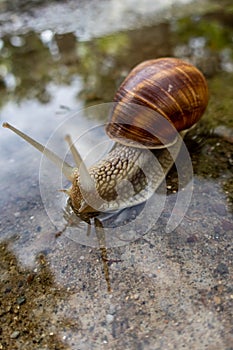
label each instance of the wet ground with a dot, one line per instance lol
(163, 290)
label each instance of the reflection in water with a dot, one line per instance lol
(30, 62)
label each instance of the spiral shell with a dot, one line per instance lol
(170, 88)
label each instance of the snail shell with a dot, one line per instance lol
(172, 87)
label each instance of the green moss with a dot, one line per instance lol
(221, 101)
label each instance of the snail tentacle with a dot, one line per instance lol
(66, 169)
(86, 180)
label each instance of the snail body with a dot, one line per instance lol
(126, 177)
(157, 99)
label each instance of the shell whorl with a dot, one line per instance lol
(168, 88)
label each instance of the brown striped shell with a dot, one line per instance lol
(169, 87)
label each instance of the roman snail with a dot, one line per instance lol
(159, 98)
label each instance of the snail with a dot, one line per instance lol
(158, 99)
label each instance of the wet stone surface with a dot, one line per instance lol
(164, 290)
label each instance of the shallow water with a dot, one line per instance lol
(167, 289)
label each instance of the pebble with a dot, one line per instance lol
(15, 334)
(192, 239)
(227, 225)
(219, 209)
(112, 309)
(224, 132)
(21, 300)
(109, 318)
(221, 269)
(217, 300)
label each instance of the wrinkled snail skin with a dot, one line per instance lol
(126, 177)
(166, 89)
(119, 182)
